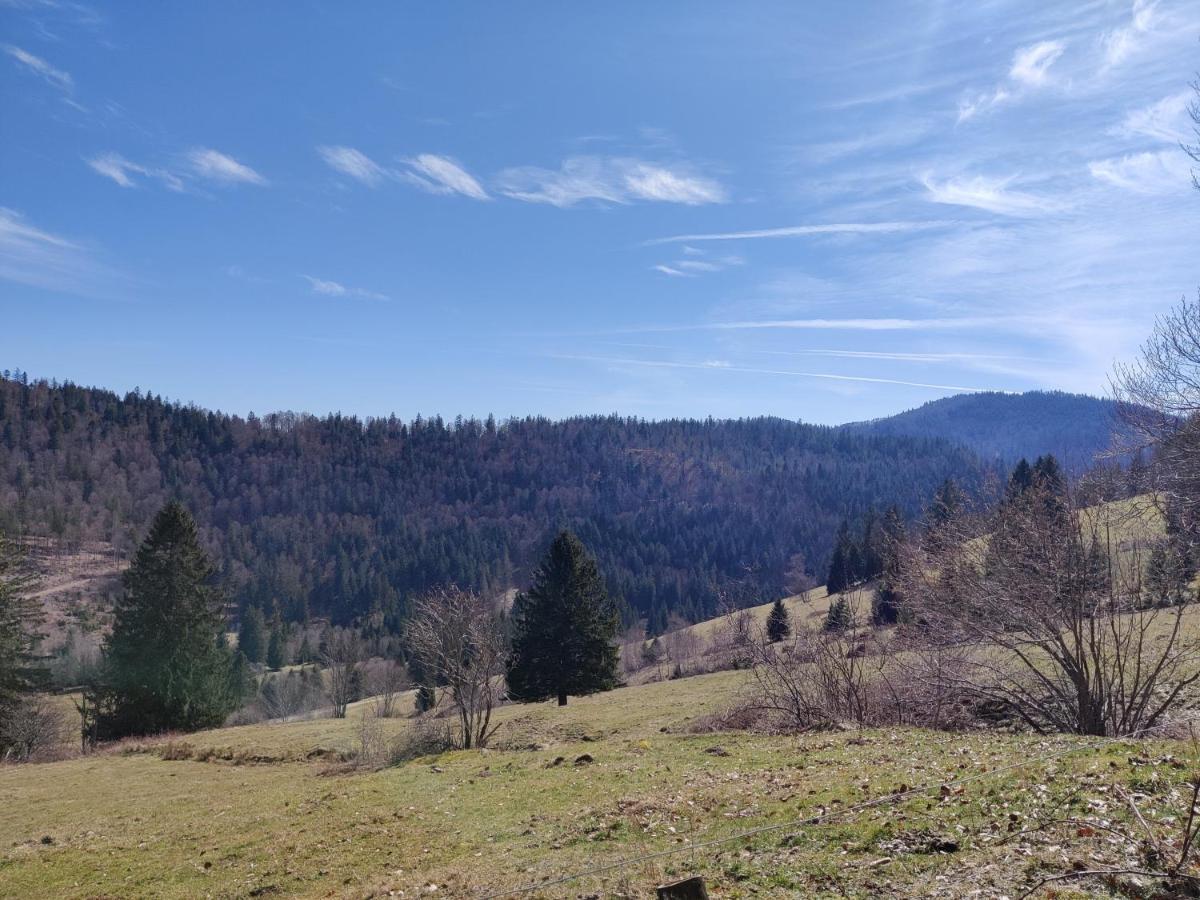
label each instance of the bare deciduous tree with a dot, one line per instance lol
(1056, 612)
(34, 727)
(816, 679)
(1158, 399)
(459, 641)
(342, 658)
(385, 683)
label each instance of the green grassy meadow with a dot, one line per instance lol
(271, 812)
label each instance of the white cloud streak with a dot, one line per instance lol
(1122, 43)
(37, 258)
(1144, 173)
(354, 163)
(608, 180)
(328, 288)
(800, 231)
(990, 194)
(38, 66)
(723, 366)
(443, 175)
(124, 172)
(216, 166)
(1029, 71)
(1031, 64)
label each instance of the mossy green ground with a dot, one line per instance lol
(266, 820)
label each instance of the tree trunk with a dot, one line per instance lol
(562, 698)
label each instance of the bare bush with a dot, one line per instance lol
(459, 641)
(425, 737)
(282, 696)
(36, 727)
(385, 682)
(1055, 611)
(371, 746)
(816, 680)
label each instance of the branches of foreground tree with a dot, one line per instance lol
(458, 641)
(1053, 600)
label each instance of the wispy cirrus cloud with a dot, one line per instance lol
(714, 365)
(442, 175)
(696, 262)
(1031, 65)
(329, 288)
(216, 166)
(36, 65)
(1144, 173)
(354, 163)
(989, 194)
(1166, 120)
(798, 231)
(199, 164)
(609, 180)
(1121, 43)
(38, 258)
(126, 173)
(1030, 70)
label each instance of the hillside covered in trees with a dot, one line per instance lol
(1002, 428)
(342, 517)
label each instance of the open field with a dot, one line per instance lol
(270, 812)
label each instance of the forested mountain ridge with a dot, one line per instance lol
(338, 516)
(1002, 428)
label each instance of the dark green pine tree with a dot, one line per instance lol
(839, 617)
(166, 662)
(947, 503)
(779, 624)
(886, 605)
(276, 652)
(1019, 481)
(21, 669)
(252, 635)
(1048, 475)
(844, 565)
(871, 548)
(564, 629)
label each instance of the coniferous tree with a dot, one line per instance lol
(276, 653)
(564, 628)
(886, 605)
(871, 548)
(843, 567)
(947, 502)
(166, 663)
(778, 623)
(252, 640)
(1020, 480)
(21, 669)
(839, 617)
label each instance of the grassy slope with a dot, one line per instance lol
(135, 824)
(263, 816)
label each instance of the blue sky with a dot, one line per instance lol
(657, 209)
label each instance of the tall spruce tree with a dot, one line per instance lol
(886, 604)
(564, 629)
(21, 669)
(779, 624)
(166, 662)
(276, 652)
(252, 635)
(846, 561)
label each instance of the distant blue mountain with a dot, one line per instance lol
(1001, 427)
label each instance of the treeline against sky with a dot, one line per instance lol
(340, 517)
